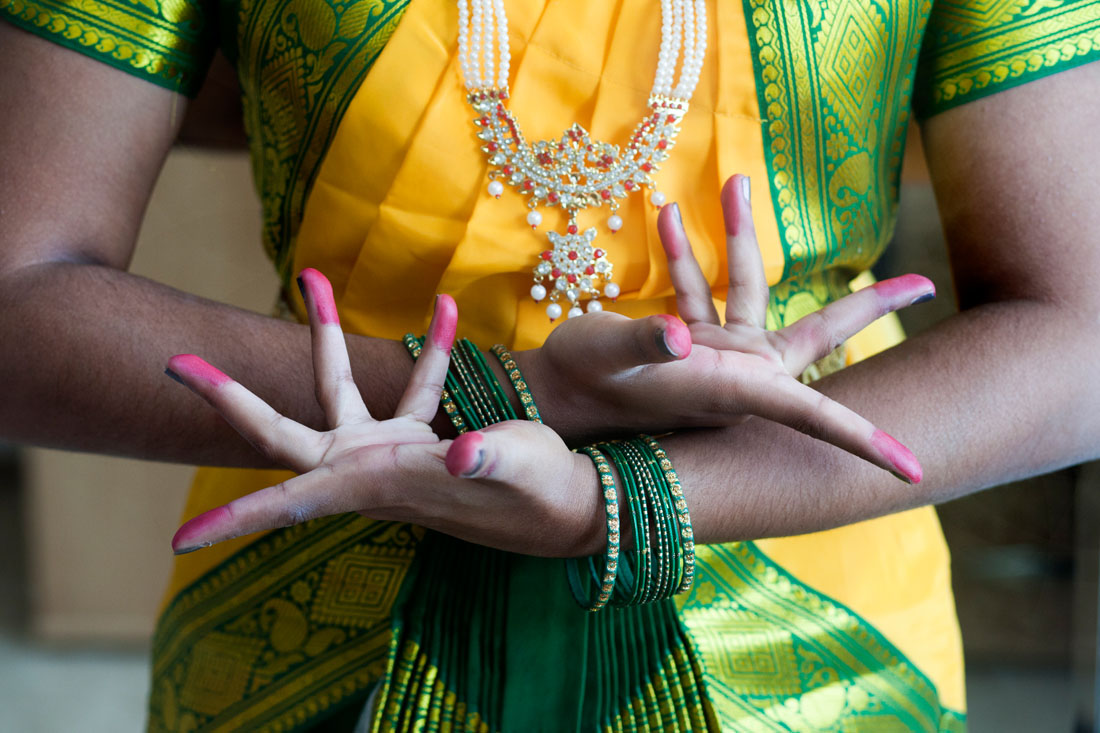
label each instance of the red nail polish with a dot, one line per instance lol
(901, 457)
(444, 322)
(190, 365)
(195, 533)
(320, 295)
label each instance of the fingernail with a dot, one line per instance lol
(477, 464)
(922, 298)
(320, 293)
(662, 343)
(194, 366)
(746, 189)
(187, 536)
(444, 322)
(899, 477)
(185, 550)
(301, 287)
(903, 460)
(679, 217)
(732, 190)
(675, 338)
(172, 375)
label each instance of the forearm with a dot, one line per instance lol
(85, 348)
(978, 399)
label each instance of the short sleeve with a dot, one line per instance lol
(974, 48)
(167, 42)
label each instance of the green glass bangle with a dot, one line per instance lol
(477, 360)
(469, 394)
(415, 345)
(632, 594)
(676, 492)
(660, 522)
(526, 400)
(605, 581)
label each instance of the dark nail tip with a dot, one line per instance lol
(477, 466)
(301, 285)
(175, 376)
(186, 550)
(923, 298)
(902, 477)
(662, 343)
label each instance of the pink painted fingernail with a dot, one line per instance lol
(466, 456)
(675, 338)
(187, 537)
(905, 284)
(193, 366)
(317, 291)
(907, 465)
(444, 322)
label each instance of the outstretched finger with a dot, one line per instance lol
(803, 408)
(814, 336)
(277, 437)
(421, 398)
(747, 300)
(693, 297)
(337, 392)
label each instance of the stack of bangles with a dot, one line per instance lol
(662, 561)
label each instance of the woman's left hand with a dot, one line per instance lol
(513, 486)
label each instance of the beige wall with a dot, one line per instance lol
(99, 528)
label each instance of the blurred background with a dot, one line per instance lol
(84, 552)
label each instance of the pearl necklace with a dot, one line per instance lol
(576, 172)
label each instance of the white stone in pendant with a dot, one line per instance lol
(538, 292)
(594, 306)
(611, 290)
(575, 311)
(657, 198)
(554, 311)
(614, 222)
(496, 189)
(534, 218)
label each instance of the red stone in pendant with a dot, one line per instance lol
(605, 194)
(546, 255)
(573, 255)
(556, 273)
(571, 278)
(506, 170)
(647, 166)
(598, 253)
(590, 270)
(572, 229)
(492, 147)
(552, 197)
(662, 144)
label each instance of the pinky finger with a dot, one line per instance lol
(421, 398)
(803, 408)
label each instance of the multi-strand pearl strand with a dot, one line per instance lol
(576, 172)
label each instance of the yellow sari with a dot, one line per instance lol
(376, 179)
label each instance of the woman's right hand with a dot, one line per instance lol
(605, 374)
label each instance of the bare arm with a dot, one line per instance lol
(84, 342)
(1005, 389)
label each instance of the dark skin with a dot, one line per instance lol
(979, 397)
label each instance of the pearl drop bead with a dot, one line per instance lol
(575, 311)
(614, 222)
(534, 218)
(496, 188)
(611, 290)
(657, 198)
(554, 311)
(538, 292)
(595, 306)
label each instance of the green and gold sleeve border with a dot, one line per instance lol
(972, 51)
(167, 42)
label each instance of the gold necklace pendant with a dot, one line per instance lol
(574, 173)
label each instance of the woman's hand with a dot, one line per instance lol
(514, 486)
(654, 374)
